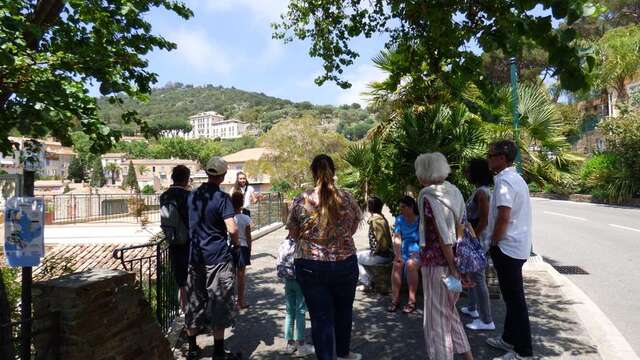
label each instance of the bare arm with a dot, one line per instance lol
(502, 222)
(232, 228)
(483, 211)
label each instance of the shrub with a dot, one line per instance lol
(148, 190)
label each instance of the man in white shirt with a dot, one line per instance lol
(509, 229)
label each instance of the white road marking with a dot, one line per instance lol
(567, 216)
(624, 227)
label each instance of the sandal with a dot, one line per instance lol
(393, 307)
(409, 308)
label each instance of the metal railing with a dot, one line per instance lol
(267, 211)
(69, 209)
(154, 274)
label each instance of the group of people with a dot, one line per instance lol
(209, 237)
(426, 238)
(321, 269)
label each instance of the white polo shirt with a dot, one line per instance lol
(511, 190)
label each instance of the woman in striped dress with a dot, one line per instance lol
(441, 208)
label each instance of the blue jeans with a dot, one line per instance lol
(295, 311)
(329, 288)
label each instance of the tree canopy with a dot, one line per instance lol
(51, 51)
(435, 37)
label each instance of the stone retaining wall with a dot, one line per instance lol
(101, 315)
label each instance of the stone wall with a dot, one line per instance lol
(100, 314)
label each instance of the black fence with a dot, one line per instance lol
(267, 211)
(69, 209)
(150, 263)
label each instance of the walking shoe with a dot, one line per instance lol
(513, 356)
(289, 349)
(465, 310)
(498, 343)
(304, 350)
(351, 356)
(478, 324)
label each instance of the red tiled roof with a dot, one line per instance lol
(81, 257)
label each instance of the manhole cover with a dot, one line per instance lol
(570, 270)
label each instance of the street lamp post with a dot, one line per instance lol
(514, 109)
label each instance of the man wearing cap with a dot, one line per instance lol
(210, 286)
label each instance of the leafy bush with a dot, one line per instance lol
(605, 177)
(615, 176)
(148, 190)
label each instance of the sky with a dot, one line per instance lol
(228, 43)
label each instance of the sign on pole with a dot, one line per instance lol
(24, 231)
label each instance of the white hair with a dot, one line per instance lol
(432, 167)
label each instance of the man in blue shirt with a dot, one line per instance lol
(210, 286)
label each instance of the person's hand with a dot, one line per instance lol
(466, 281)
(455, 273)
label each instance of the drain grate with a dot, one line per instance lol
(570, 270)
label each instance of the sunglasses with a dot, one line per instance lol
(492, 155)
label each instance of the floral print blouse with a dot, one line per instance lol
(335, 243)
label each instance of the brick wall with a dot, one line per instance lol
(100, 315)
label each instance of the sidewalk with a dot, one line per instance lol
(379, 335)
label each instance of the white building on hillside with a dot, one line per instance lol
(210, 124)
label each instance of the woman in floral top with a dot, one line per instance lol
(322, 221)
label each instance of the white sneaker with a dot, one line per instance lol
(498, 343)
(474, 314)
(351, 356)
(478, 324)
(513, 356)
(304, 350)
(289, 349)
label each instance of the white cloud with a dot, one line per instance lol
(360, 77)
(198, 50)
(269, 10)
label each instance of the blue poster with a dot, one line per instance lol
(24, 231)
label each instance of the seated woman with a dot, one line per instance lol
(379, 243)
(406, 247)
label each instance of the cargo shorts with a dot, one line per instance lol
(210, 296)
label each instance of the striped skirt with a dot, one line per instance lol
(444, 333)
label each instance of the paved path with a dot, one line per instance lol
(605, 242)
(380, 335)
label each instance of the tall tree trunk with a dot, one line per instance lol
(6, 347)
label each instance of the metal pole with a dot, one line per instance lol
(27, 279)
(514, 109)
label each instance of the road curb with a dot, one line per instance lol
(610, 342)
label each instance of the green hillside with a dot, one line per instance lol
(170, 106)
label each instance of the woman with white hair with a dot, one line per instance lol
(442, 208)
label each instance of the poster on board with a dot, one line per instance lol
(24, 231)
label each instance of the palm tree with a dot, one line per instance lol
(546, 155)
(142, 169)
(113, 169)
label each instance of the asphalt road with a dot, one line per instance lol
(605, 242)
